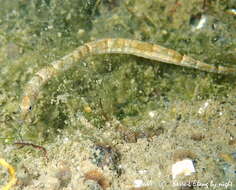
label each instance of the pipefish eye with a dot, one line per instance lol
(30, 108)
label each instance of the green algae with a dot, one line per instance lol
(52, 29)
(135, 82)
(124, 87)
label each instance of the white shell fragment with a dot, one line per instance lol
(204, 107)
(202, 22)
(183, 167)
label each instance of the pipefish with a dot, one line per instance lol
(111, 46)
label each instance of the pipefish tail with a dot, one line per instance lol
(110, 46)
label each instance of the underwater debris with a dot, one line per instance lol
(106, 156)
(184, 167)
(183, 163)
(204, 107)
(200, 22)
(197, 136)
(97, 176)
(127, 134)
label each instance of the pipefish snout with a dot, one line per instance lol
(111, 46)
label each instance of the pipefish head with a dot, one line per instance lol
(25, 107)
